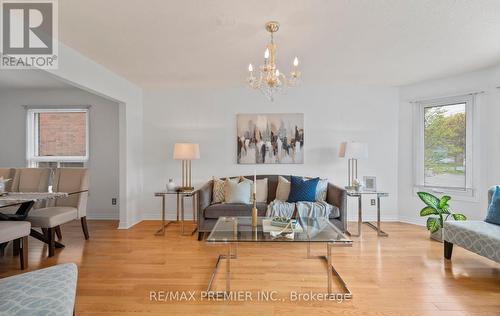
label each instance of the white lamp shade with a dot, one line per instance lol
(186, 151)
(353, 150)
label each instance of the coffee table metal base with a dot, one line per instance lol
(331, 271)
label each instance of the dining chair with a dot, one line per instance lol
(31, 180)
(63, 210)
(7, 173)
(19, 232)
(28, 180)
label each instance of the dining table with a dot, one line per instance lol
(16, 206)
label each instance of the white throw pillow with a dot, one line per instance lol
(262, 189)
(237, 192)
(261, 195)
(321, 190)
(283, 189)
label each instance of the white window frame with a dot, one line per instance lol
(466, 193)
(32, 157)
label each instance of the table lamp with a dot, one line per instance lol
(353, 151)
(186, 152)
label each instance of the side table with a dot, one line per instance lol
(359, 195)
(181, 195)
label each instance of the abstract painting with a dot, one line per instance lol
(270, 138)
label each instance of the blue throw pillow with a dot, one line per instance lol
(302, 190)
(493, 216)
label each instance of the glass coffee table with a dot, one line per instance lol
(233, 230)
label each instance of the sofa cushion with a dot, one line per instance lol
(477, 236)
(283, 189)
(302, 190)
(261, 194)
(237, 192)
(233, 209)
(321, 190)
(493, 216)
(218, 191)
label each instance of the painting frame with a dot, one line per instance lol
(370, 183)
(270, 138)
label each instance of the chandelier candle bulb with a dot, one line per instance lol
(266, 54)
(250, 68)
(295, 62)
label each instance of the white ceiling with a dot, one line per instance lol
(381, 42)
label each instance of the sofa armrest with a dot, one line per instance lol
(337, 197)
(204, 200)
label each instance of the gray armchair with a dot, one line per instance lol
(208, 213)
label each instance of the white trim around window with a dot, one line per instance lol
(32, 157)
(467, 192)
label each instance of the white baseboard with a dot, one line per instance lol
(126, 225)
(133, 222)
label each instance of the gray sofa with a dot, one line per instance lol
(477, 236)
(208, 213)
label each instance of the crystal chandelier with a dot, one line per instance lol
(270, 80)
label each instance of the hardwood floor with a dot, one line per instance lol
(404, 274)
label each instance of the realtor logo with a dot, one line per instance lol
(29, 34)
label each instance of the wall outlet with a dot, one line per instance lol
(373, 202)
(113, 201)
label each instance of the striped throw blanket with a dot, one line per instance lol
(305, 209)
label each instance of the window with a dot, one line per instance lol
(57, 138)
(444, 144)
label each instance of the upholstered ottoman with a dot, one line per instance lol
(49, 291)
(477, 236)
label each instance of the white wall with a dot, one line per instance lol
(104, 134)
(82, 72)
(486, 168)
(207, 115)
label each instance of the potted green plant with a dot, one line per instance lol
(438, 211)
